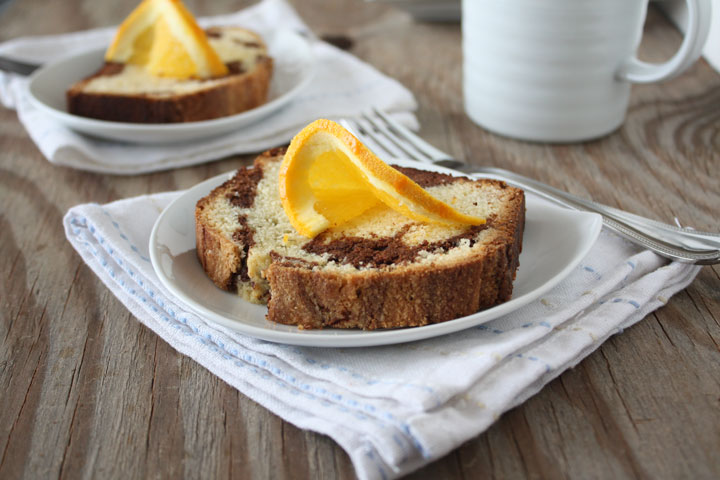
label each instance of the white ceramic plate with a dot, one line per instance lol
(555, 241)
(293, 68)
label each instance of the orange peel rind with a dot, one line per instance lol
(328, 176)
(163, 36)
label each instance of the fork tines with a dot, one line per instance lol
(392, 138)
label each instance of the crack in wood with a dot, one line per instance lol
(491, 457)
(614, 439)
(70, 438)
(152, 395)
(72, 381)
(79, 266)
(617, 389)
(560, 433)
(21, 309)
(19, 414)
(662, 327)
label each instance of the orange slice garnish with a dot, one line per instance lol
(328, 177)
(163, 36)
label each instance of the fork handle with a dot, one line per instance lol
(684, 237)
(671, 242)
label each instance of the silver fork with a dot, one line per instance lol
(17, 66)
(390, 139)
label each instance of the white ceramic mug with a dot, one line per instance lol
(560, 70)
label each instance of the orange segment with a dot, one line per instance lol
(339, 189)
(163, 36)
(328, 177)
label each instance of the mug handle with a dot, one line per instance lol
(698, 27)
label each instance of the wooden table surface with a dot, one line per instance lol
(89, 392)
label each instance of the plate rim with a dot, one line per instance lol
(84, 124)
(362, 338)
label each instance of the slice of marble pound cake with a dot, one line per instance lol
(379, 270)
(130, 93)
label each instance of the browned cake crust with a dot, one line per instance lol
(238, 92)
(372, 300)
(401, 298)
(413, 294)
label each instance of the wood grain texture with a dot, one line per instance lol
(90, 393)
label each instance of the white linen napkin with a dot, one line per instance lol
(343, 86)
(392, 408)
